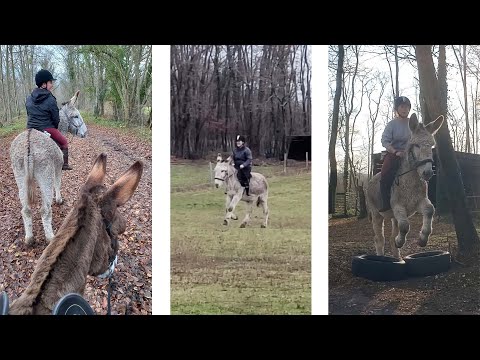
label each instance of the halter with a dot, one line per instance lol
(112, 259)
(416, 163)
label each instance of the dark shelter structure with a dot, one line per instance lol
(298, 146)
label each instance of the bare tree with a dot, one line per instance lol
(373, 112)
(467, 236)
(332, 183)
(462, 65)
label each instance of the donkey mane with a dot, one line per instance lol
(82, 215)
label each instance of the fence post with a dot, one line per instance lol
(211, 174)
(306, 157)
(284, 162)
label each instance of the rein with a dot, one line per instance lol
(112, 259)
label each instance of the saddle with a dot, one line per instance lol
(70, 304)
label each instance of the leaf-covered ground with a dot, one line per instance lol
(454, 292)
(132, 292)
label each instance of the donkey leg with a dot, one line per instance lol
(231, 206)
(265, 212)
(379, 238)
(26, 215)
(428, 210)
(58, 185)
(228, 200)
(247, 218)
(403, 226)
(395, 250)
(45, 182)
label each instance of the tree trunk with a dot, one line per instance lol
(441, 204)
(332, 183)
(467, 236)
(397, 71)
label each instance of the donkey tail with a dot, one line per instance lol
(29, 186)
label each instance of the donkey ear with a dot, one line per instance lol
(97, 174)
(125, 186)
(229, 159)
(433, 127)
(219, 157)
(74, 98)
(413, 122)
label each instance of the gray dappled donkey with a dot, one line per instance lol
(226, 174)
(34, 155)
(409, 190)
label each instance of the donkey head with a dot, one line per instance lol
(70, 118)
(221, 170)
(112, 223)
(419, 147)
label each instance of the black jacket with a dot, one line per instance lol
(242, 156)
(42, 110)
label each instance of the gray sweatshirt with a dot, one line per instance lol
(396, 133)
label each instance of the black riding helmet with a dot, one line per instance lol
(401, 100)
(43, 76)
(240, 138)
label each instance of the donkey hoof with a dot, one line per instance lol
(59, 202)
(422, 240)
(242, 225)
(29, 241)
(234, 217)
(399, 244)
(263, 226)
(225, 222)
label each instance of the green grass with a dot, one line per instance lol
(227, 270)
(14, 127)
(142, 132)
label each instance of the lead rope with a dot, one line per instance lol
(109, 294)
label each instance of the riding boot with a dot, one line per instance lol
(385, 189)
(247, 189)
(65, 160)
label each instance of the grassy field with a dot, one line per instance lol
(228, 270)
(14, 127)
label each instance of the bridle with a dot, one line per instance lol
(112, 260)
(71, 123)
(416, 163)
(226, 177)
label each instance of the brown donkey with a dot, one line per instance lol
(85, 244)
